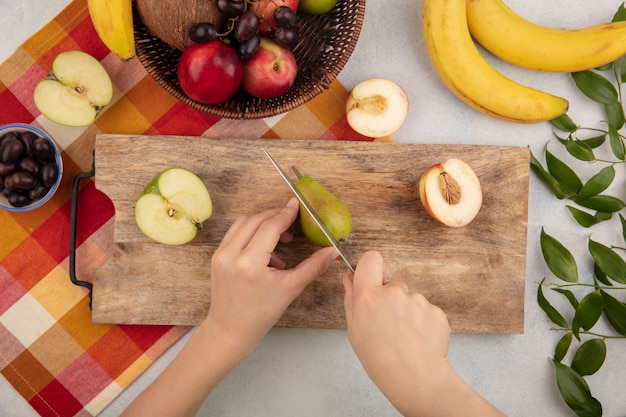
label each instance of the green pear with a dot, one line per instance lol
(328, 207)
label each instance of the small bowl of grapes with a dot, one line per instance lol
(30, 167)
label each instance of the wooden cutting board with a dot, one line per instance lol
(476, 274)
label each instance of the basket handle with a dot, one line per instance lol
(73, 214)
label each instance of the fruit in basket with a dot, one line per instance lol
(171, 20)
(173, 207)
(210, 72)
(202, 32)
(113, 22)
(511, 37)
(451, 193)
(333, 213)
(376, 107)
(76, 89)
(470, 77)
(317, 6)
(265, 10)
(270, 72)
(246, 25)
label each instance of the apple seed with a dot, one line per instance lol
(450, 189)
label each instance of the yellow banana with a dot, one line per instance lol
(509, 36)
(113, 21)
(468, 75)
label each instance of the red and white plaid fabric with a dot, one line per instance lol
(50, 351)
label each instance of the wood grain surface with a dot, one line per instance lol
(476, 274)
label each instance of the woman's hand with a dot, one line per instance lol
(250, 290)
(402, 341)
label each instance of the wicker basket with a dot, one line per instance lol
(326, 43)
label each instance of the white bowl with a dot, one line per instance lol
(21, 127)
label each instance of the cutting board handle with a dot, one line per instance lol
(73, 214)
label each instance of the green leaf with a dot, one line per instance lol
(589, 310)
(622, 71)
(615, 312)
(564, 123)
(595, 86)
(595, 141)
(620, 14)
(605, 67)
(605, 203)
(598, 183)
(550, 311)
(569, 295)
(623, 222)
(589, 357)
(559, 260)
(617, 144)
(566, 177)
(575, 392)
(579, 150)
(587, 220)
(600, 276)
(562, 347)
(576, 328)
(608, 261)
(548, 179)
(615, 114)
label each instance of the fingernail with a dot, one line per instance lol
(292, 202)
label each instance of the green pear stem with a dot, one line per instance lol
(298, 173)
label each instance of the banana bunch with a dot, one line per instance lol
(113, 21)
(468, 75)
(451, 26)
(512, 38)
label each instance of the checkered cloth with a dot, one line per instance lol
(50, 351)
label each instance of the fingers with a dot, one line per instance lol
(270, 228)
(370, 272)
(243, 230)
(244, 227)
(397, 283)
(276, 262)
(312, 267)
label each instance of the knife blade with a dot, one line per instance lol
(307, 206)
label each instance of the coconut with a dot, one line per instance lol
(170, 20)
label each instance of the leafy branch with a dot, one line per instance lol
(593, 297)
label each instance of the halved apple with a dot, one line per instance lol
(76, 89)
(376, 107)
(451, 192)
(173, 206)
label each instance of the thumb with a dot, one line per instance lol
(370, 272)
(347, 298)
(314, 266)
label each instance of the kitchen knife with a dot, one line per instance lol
(311, 211)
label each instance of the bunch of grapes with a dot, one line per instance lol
(242, 28)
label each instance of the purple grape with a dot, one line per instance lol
(231, 8)
(202, 32)
(285, 17)
(249, 47)
(22, 180)
(49, 173)
(19, 200)
(246, 26)
(11, 150)
(286, 37)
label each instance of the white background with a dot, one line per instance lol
(314, 372)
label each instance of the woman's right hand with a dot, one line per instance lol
(402, 341)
